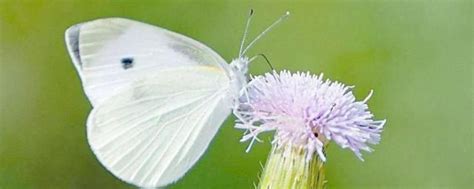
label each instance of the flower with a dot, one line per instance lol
(306, 112)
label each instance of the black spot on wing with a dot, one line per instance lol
(127, 63)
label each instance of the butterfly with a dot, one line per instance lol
(158, 97)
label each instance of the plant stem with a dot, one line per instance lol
(287, 167)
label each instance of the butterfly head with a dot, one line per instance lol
(240, 65)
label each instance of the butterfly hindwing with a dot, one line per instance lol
(153, 131)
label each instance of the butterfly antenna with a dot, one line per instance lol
(266, 30)
(245, 32)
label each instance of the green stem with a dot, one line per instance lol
(288, 168)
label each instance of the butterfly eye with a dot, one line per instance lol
(127, 63)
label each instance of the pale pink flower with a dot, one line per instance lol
(306, 112)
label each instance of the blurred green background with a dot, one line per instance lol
(416, 55)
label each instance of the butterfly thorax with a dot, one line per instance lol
(238, 74)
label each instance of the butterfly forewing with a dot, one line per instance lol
(110, 53)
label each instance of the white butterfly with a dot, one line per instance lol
(158, 97)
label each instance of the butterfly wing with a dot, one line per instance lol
(110, 53)
(152, 132)
(159, 97)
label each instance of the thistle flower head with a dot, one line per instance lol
(306, 112)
